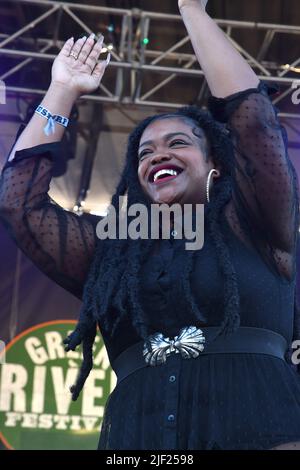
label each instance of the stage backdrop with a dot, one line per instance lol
(36, 410)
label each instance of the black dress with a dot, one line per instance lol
(222, 401)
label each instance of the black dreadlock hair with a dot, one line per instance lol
(113, 284)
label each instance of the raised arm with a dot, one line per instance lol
(224, 68)
(266, 196)
(59, 242)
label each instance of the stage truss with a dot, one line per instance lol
(132, 58)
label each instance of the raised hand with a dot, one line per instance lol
(184, 3)
(77, 66)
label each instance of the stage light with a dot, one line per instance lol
(111, 28)
(145, 41)
(110, 47)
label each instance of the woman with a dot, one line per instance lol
(237, 292)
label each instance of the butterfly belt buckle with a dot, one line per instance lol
(189, 343)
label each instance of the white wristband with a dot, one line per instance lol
(50, 126)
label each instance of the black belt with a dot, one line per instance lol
(244, 340)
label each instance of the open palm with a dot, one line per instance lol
(77, 66)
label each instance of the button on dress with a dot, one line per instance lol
(216, 401)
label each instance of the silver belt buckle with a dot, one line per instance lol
(189, 343)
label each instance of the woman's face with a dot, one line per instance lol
(173, 167)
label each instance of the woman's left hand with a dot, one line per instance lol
(184, 3)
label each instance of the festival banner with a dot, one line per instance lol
(36, 409)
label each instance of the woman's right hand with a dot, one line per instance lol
(84, 74)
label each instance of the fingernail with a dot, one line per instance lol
(92, 36)
(84, 38)
(101, 38)
(108, 58)
(71, 39)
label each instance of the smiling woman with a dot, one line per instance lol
(199, 339)
(188, 160)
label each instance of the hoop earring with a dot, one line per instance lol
(208, 182)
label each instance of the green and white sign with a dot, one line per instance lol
(36, 409)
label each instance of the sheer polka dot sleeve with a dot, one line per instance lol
(266, 192)
(59, 242)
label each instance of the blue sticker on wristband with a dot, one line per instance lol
(52, 119)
